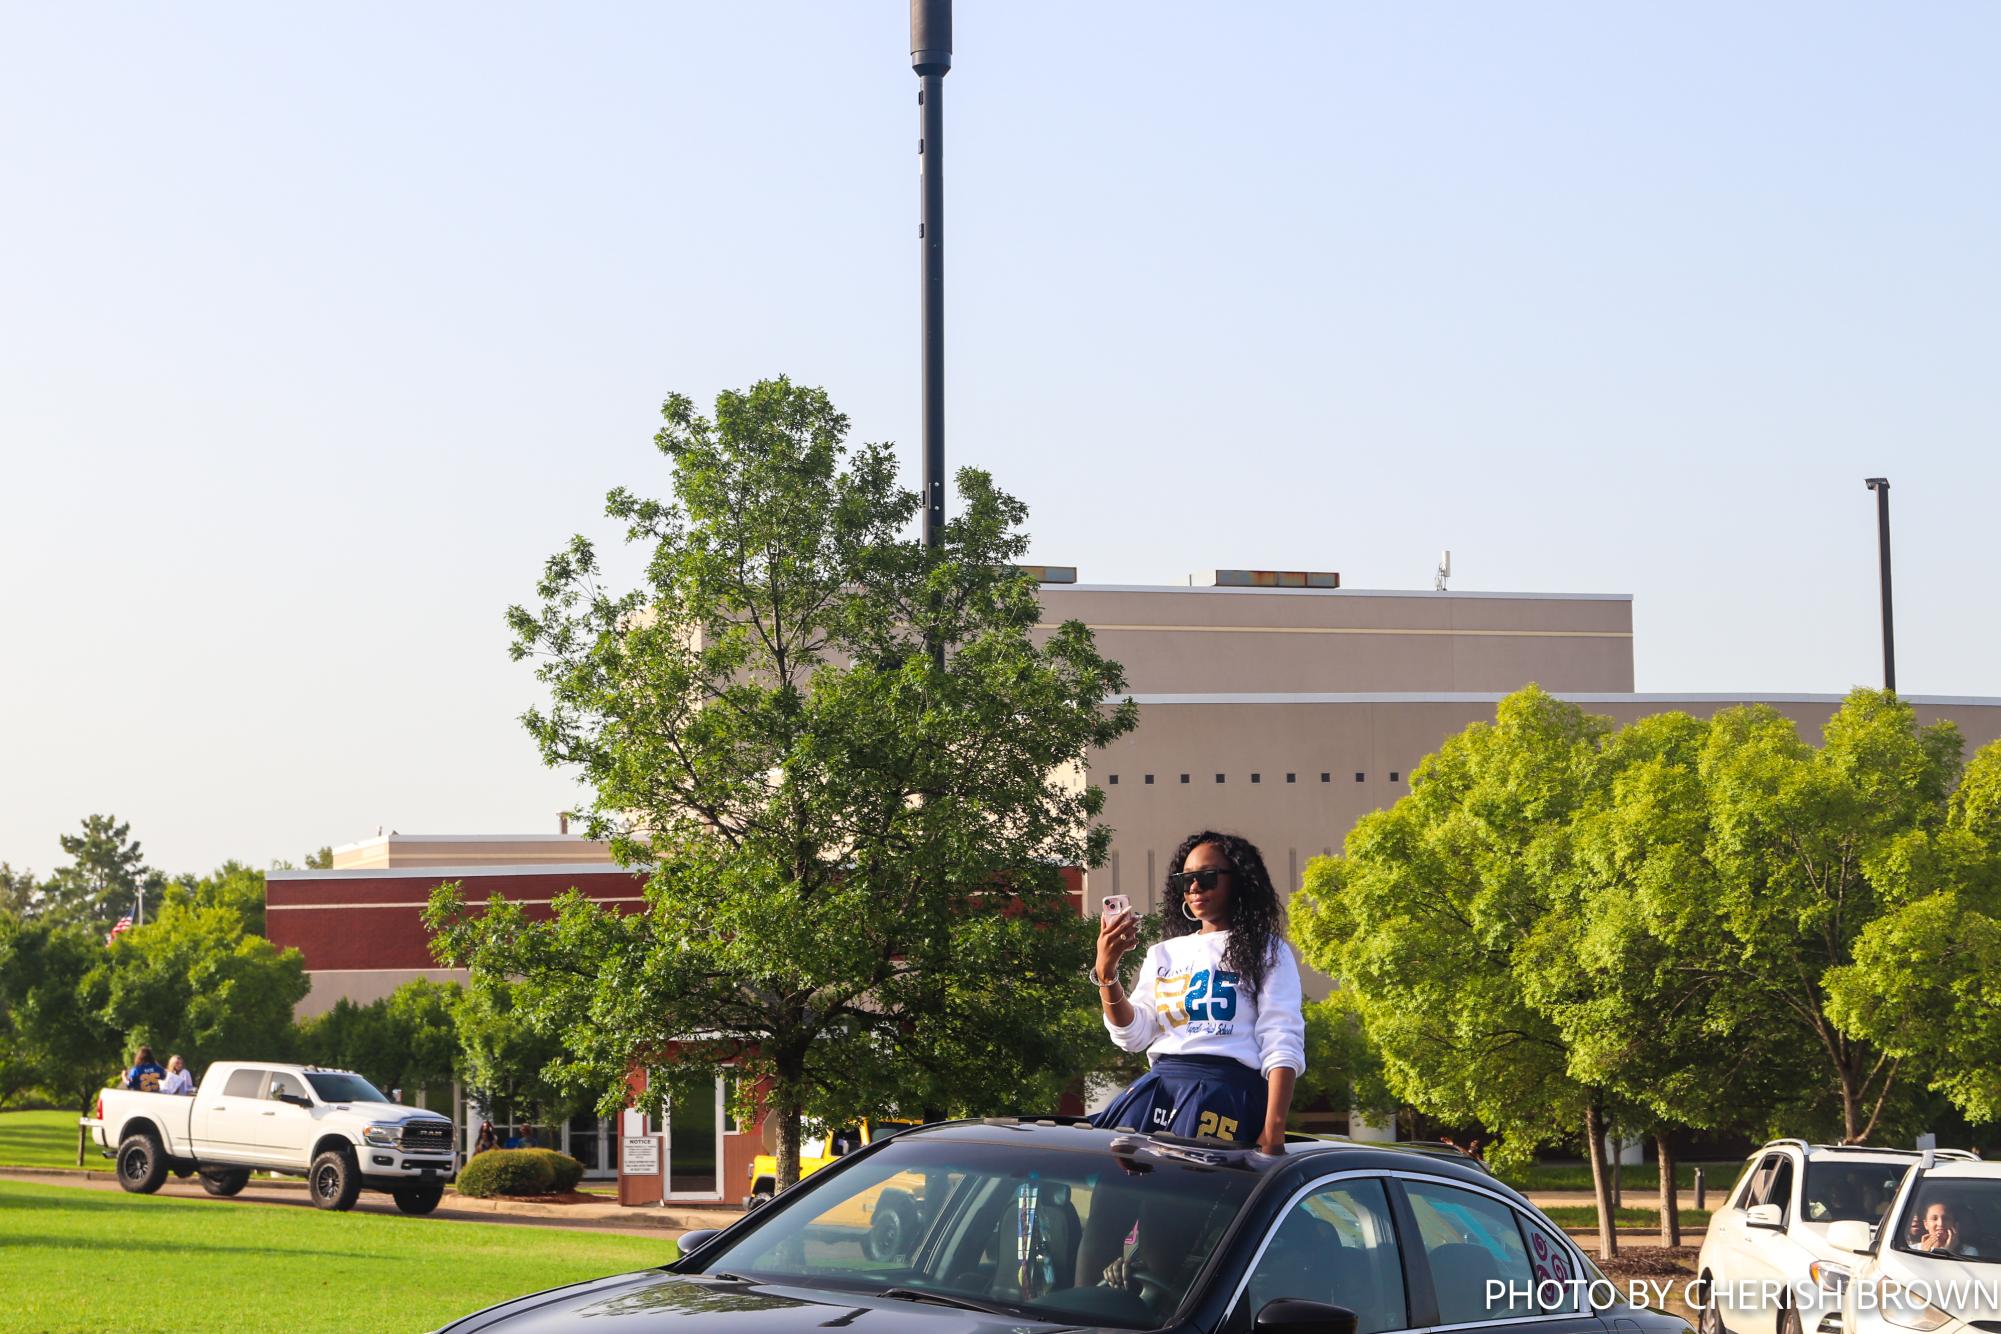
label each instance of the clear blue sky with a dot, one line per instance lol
(320, 328)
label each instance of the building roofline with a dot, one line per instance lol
(379, 840)
(461, 872)
(1424, 593)
(1571, 696)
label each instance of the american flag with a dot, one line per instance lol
(124, 924)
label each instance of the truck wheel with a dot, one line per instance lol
(142, 1164)
(419, 1199)
(893, 1230)
(224, 1181)
(335, 1180)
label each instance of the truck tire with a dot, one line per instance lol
(142, 1163)
(334, 1180)
(224, 1181)
(419, 1200)
(893, 1230)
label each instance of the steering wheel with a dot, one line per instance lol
(1158, 1296)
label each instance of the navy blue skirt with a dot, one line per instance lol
(1201, 1097)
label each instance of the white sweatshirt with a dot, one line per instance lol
(1184, 1004)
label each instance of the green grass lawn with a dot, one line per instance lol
(1584, 1215)
(1633, 1176)
(74, 1258)
(44, 1139)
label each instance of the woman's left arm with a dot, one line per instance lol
(1281, 1034)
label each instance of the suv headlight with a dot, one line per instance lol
(381, 1134)
(1830, 1278)
(1905, 1309)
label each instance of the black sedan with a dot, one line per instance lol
(1030, 1226)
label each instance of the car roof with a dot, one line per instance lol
(1859, 1152)
(1959, 1167)
(1317, 1153)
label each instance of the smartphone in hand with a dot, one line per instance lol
(1113, 905)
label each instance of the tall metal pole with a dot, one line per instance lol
(931, 57)
(1881, 486)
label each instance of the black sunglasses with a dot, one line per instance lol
(1181, 880)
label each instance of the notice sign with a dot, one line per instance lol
(639, 1155)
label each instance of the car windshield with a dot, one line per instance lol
(1860, 1191)
(1959, 1217)
(1071, 1233)
(343, 1088)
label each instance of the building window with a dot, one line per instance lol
(1184, 778)
(1361, 777)
(1149, 780)
(1113, 780)
(1327, 778)
(1257, 778)
(1393, 776)
(1292, 778)
(1219, 778)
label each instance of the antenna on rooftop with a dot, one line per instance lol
(1444, 571)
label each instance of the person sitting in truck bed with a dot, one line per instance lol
(178, 1079)
(146, 1073)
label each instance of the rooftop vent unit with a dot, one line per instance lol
(1050, 574)
(1277, 579)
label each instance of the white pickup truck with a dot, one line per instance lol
(331, 1127)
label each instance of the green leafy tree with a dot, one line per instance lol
(1804, 850)
(1925, 983)
(232, 886)
(507, 1061)
(106, 871)
(20, 891)
(191, 981)
(1622, 964)
(1426, 918)
(853, 850)
(57, 1039)
(321, 860)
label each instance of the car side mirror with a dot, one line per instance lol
(1764, 1215)
(694, 1241)
(1851, 1234)
(1296, 1315)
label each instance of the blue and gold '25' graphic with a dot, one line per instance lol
(1205, 998)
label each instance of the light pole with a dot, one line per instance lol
(1881, 486)
(931, 57)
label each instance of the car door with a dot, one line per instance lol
(1735, 1261)
(285, 1131)
(1488, 1265)
(1769, 1257)
(1335, 1241)
(226, 1124)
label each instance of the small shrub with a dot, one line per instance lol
(567, 1171)
(507, 1172)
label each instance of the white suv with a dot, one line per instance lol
(1767, 1265)
(1934, 1266)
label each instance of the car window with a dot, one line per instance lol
(1471, 1241)
(1072, 1236)
(1860, 1190)
(286, 1085)
(243, 1084)
(1559, 1284)
(1761, 1180)
(1336, 1245)
(1779, 1189)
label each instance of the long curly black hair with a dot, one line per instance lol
(1257, 919)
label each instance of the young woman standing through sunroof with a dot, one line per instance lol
(1215, 1006)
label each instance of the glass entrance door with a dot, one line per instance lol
(695, 1147)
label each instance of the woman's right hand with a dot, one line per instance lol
(1116, 935)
